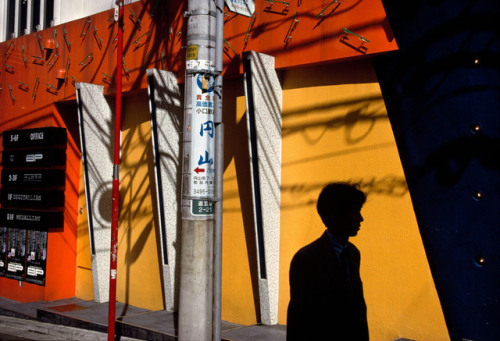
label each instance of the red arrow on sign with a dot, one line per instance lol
(199, 170)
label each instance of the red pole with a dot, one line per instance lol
(116, 179)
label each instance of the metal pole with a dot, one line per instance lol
(198, 176)
(219, 171)
(116, 178)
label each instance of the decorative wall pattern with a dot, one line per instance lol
(264, 121)
(96, 136)
(166, 126)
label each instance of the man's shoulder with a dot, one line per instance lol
(354, 251)
(352, 247)
(312, 248)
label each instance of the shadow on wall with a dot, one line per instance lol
(355, 118)
(138, 216)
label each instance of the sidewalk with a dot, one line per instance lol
(12, 328)
(72, 317)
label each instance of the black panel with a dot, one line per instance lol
(442, 95)
(31, 198)
(27, 219)
(34, 158)
(33, 178)
(38, 137)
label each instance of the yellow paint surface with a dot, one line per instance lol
(335, 128)
(138, 279)
(84, 288)
(138, 270)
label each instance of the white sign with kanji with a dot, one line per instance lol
(202, 160)
(243, 7)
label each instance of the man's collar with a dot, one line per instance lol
(336, 244)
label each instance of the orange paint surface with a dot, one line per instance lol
(38, 74)
(310, 32)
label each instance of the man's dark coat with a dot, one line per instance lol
(322, 304)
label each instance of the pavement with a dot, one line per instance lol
(76, 319)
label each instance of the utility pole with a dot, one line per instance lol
(115, 214)
(199, 167)
(219, 171)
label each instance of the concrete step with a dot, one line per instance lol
(13, 328)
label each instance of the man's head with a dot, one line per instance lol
(339, 205)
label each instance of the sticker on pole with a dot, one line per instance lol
(192, 52)
(202, 165)
(243, 7)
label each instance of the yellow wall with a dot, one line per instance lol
(84, 286)
(139, 274)
(138, 279)
(335, 128)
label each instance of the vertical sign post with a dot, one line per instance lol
(198, 175)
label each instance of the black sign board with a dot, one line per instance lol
(33, 178)
(38, 137)
(3, 250)
(36, 256)
(31, 198)
(33, 220)
(16, 253)
(34, 158)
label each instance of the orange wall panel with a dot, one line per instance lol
(84, 50)
(295, 35)
(38, 71)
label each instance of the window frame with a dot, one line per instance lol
(18, 31)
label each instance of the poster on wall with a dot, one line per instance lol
(36, 256)
(3, 250)
(16, 253)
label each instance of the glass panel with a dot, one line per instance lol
(35, 20)
(49, 13)
(11, 19)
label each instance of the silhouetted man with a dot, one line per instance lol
(326, 293)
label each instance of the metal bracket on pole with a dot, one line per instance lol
(116, 171)
(199, 12)
(212, 199)
(202, 71)
(117, 7)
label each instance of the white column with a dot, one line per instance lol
(3, 23)
(96, 135)
(43, 24)
(29, 16)
(57, 12)
(264, 122)
(17, 19)
(166, 110)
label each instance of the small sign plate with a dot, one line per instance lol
(192, 52)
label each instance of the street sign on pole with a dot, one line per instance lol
(243, 7)
(202, 165)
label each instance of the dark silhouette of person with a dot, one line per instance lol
(326, 292)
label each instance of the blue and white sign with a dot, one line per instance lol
(243, 7)
(202, 164)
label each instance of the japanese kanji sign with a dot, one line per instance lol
(202, 145)
(243, 7)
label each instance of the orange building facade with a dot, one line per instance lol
(334, 127)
